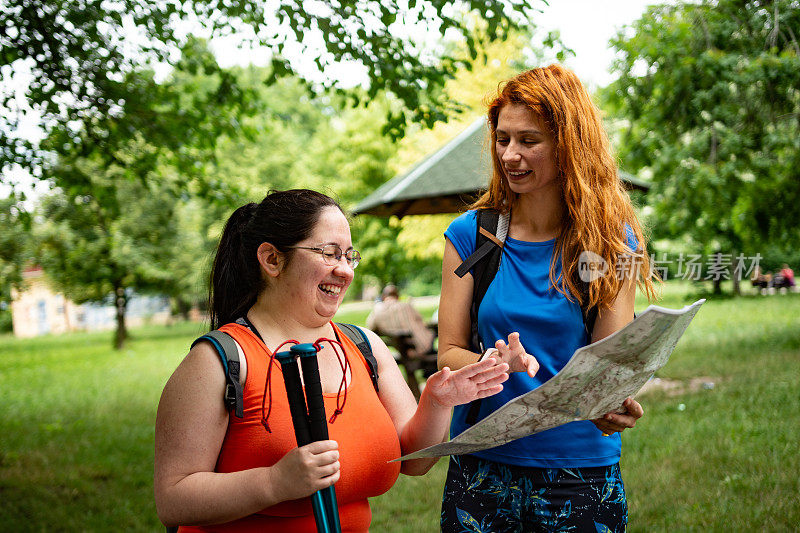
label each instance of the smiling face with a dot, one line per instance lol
(525, 150)
(314, 288)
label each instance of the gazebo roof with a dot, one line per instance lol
(446, 181)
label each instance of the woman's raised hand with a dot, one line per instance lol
(305, 470)
(450, 388)
(515, 356)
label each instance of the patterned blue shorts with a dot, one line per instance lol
(481, 495)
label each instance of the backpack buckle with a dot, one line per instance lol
(230, 394)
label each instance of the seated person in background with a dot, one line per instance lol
(787, 276)
(759, 279)
(390, 316)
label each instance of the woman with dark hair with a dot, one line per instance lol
(555, 178)
(280, 273)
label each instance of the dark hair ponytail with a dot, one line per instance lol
(282, 219)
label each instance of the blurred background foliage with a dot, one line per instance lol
(143, 163)
(148, 144)
(707, 106)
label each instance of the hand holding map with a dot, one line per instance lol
(595, 381)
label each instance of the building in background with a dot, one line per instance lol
(38, 310)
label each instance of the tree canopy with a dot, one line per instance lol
(711, 96)
(112, 223)
(80, 52)
(144, 177)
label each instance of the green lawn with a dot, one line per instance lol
(76, 429)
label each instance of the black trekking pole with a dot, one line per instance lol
(302, 428)
(317, 418)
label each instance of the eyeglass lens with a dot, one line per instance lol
(333, 254)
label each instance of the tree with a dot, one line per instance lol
(134, 194)
(111, 226)
(80, 52)
(13, 249)
(710, 91)
(410, 250)
(176, 122)
(14, 254)
(92, 249)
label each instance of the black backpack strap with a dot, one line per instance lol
(244, 321)
(229, 355)
(490, 235)
(491, 229)
(481, 252)
(589, 318)
(359, 338)
(589, 313)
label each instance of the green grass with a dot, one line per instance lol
(76, 429)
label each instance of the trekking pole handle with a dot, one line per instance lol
(302, 429)
(317, 419)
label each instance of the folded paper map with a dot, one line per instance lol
(595, 381)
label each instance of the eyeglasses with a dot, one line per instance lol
(332, 254)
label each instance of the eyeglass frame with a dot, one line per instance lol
(352, 262)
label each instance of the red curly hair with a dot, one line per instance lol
(597, 207)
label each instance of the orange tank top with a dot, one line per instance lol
(363, 453)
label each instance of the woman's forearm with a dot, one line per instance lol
(427, 427)
(455, 357)
(204, 498)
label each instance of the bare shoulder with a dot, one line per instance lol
(192, 398)
(393, 390)
(620, 313)
(202, 360)
(196, 384)
(191, 420)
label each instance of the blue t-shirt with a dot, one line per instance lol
(521, 298)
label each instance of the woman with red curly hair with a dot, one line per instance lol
(555, 176)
